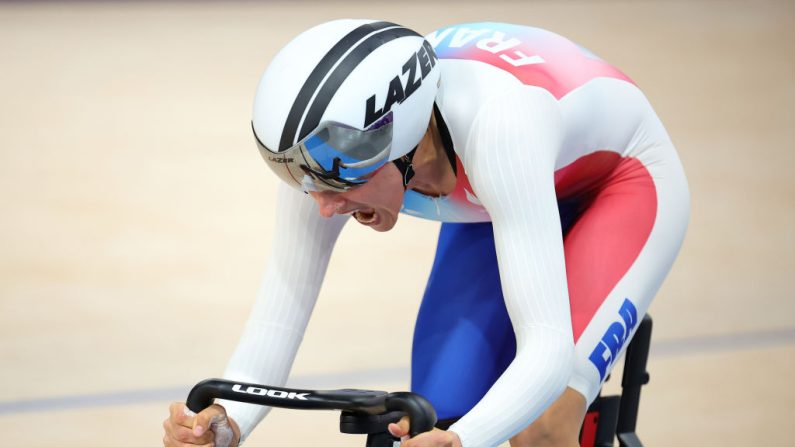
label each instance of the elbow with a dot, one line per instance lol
(563, 368)
(551, 354)
(560, 367)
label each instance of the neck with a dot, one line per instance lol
(433, 174)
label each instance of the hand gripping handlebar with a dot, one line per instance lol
(362, 404)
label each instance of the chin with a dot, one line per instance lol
(381, 228)
(385, 225)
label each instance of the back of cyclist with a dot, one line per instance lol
(563, 200)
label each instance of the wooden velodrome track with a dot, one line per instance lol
(136, 215)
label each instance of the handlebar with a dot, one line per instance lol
(353, 403)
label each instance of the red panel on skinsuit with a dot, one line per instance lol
(607, 238)
(585, 174)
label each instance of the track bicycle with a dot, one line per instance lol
(615, 417)
(370, 412)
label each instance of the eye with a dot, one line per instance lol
(372, 174)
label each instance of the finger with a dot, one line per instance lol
(182, 434)
(169, 442)
(423, 439)
(186, 435)
(179, 416)
(394, 430)
(400, 429)
(214, 414)
(404, 424)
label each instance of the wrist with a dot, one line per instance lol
(236, 441)
(455, 441)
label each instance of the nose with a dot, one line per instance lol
(328, 202)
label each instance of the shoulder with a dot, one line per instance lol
(532, 56)
(515, 124)
(465, 89)
(489, 119)
(495, 37)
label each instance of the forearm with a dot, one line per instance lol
(264, 355)
(535, 379)
(301, 250)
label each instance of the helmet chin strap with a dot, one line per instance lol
(405, 165)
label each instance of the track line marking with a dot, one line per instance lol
(679, 347)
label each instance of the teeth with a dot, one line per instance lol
(364, 217)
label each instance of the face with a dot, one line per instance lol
(375, 204)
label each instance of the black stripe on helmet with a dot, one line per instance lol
(343, 70)
(323, 67)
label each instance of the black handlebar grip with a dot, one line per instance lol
(422, 416)
(204, 393)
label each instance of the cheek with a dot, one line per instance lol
(391, 187)
(384, 190)
(396, 200)
(382, 198)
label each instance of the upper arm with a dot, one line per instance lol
(510, 159)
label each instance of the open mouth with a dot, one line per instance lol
(365, 216)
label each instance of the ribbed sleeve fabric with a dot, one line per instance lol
(302, 245)
(509, 158)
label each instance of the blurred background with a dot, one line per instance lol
(137, 214)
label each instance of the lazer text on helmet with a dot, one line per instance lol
(424, 59)
(270, 393)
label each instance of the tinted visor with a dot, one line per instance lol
(334, 157)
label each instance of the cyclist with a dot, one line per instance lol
(562, 199)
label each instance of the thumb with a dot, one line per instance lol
(400, 429)
(214, 414)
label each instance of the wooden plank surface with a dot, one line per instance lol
(137, 214)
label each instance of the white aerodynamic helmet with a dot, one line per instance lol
(341, 100)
